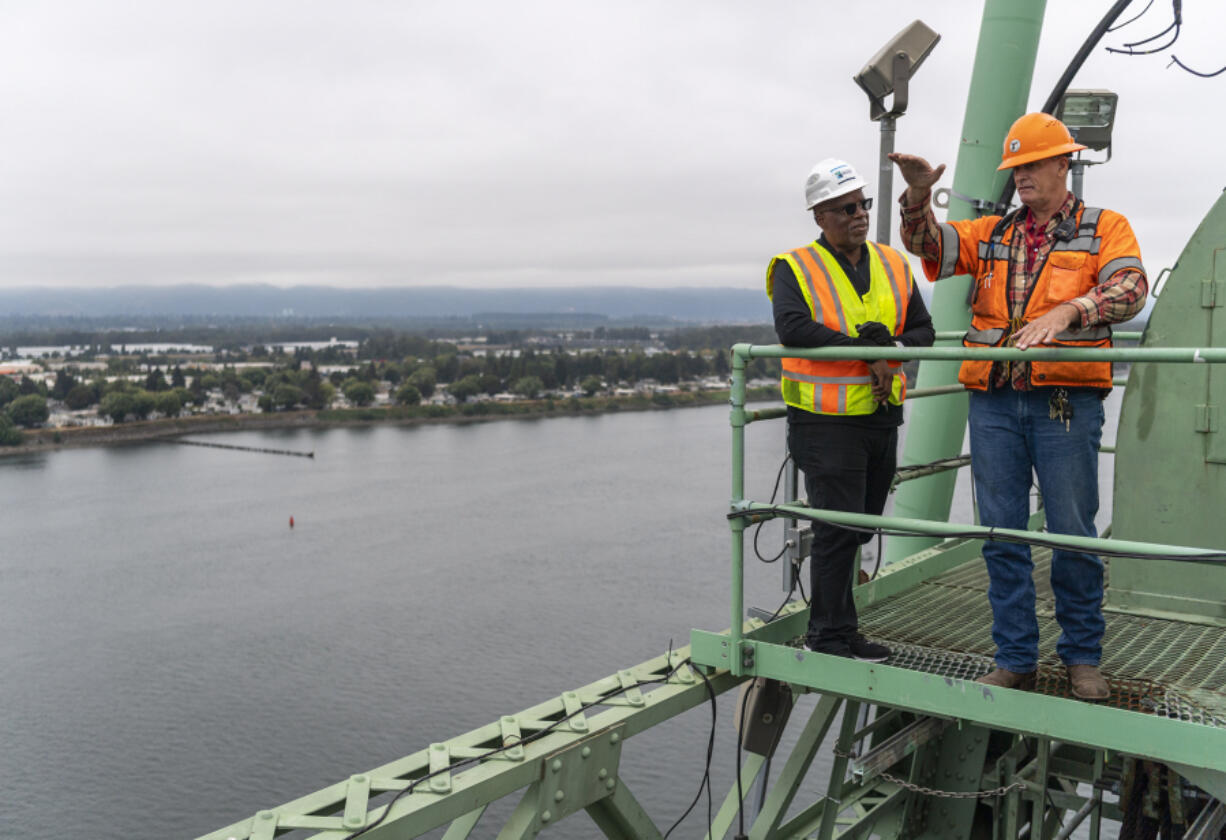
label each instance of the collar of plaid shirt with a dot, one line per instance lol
(1028, 253)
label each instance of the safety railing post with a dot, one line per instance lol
(737, 419)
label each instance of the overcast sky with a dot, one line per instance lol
(520, 143)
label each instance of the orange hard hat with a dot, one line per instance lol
(1035, 137)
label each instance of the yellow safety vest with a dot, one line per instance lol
(844, 386)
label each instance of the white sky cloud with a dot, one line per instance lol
(528, 143)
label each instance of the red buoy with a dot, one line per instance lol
(291, 522)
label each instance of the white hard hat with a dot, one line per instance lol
(830, 179)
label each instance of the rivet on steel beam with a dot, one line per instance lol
(359, 779)
(585, 752)
(556, 765)
(266, 815)
(546, 816)
(614, 738)
(603, 773)
(610, 784)
(559, 795)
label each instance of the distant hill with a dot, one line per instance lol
(583, 305)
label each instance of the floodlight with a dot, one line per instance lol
(888, 71)
(1089, 115)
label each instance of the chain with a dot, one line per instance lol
(943, 794)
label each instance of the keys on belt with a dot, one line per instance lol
(1059, 408)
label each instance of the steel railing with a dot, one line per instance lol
(745, 512)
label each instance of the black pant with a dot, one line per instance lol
(847, 468)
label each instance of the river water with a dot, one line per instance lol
(175, 657)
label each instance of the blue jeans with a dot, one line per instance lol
(1011, 435)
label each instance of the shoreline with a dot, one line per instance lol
(139, 431)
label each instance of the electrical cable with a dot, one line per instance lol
(1134, 18)
(706, 776)
(877, 568)
(740, 792)
(1175, 60)
(541, 733)
(787, 597)
(1168, 44)
(1176, 23)
(758, 530)
(1207, 555)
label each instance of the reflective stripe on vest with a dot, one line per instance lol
(993, 336)
(1088, 244)
(1118, 264)
(820, 295)
(949, 250)
(844, 386)
(993, 251)
(900, 292)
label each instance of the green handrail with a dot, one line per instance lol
(995, 354)
(742, 353)
(757, 512)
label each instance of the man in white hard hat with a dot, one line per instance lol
(843, 416)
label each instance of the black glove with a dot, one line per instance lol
(875, 333)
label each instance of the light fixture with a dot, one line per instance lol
(894, 64)
(889, 71)
(1089, 116)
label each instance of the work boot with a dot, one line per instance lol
(1002, 678)
(1087, 682)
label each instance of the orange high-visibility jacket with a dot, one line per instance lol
(1101, 245)
(844, 386)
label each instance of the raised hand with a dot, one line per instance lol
(918, 173)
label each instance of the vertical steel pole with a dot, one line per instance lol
(1079, 172)
(737, 419)
(885, 171)
(1000, 86)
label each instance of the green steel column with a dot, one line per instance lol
(1000, 87)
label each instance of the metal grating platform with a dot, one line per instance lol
(1154, 666)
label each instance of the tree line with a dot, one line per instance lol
(414, 368)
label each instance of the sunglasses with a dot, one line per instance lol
(850, 207)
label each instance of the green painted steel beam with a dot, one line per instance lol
(1098, 727)
(523, 823)
(621, 817)
(946, 529)
(477, 783)
(779, 799)
(999, 89)
(462, 828)
(838, 769)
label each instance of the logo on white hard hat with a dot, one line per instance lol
(1015, 144)
(841, 174)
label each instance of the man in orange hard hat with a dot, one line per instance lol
(843, 415)
(1054, 272)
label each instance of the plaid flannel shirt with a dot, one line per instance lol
(1117, 299)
